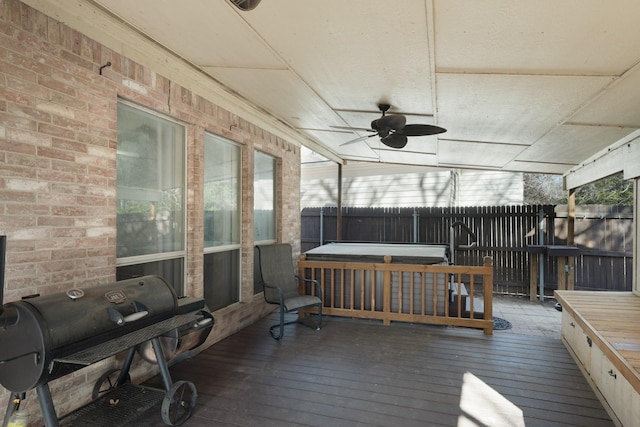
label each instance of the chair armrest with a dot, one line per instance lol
(314, 281)
(280, 294)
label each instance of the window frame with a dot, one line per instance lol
(169, 255)
(274, 238)
(207, 250)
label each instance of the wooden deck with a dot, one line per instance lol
(360, 372)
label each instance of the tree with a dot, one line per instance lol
(541, 189)
(612, 190)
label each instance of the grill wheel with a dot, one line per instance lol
(107, 382)
(179, 402)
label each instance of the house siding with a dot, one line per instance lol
(58, 138)
(403, 186)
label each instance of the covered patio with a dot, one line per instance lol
(351, 373)
(518, 98)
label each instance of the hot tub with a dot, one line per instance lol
(375, 252)
(405, 286)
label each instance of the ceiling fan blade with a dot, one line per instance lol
(352, 128)
(357, 139)
(390, 122)
(395, 140)
(420, 130)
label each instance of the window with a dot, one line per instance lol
(264, 201)
(222, 218)
(150, 219)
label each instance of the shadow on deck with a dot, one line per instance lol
(358, 372)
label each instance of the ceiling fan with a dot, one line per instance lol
(393, 130)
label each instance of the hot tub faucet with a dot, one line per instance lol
(472, 241)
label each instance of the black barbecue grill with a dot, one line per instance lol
(45, 337)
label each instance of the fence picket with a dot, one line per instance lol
(604, 235)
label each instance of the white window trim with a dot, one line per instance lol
(126, 261)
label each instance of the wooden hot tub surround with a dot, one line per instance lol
(415, 293)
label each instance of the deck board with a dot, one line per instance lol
(359, 372)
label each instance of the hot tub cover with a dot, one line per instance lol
(375, 252)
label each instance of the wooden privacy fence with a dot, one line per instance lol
(405, 292)
(604, 235)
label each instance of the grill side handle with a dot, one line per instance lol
(8, 315)
(140, 311)
(3, 251)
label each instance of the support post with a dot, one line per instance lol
(571, 224)
(562, 272)
(321, 226)
(533, 276)
(540, 256)
(339, 213)
(487, 282)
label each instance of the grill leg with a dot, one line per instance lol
(126, 367)
(11, 408)
(46, 405)
(162, 364)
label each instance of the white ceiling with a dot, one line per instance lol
(533, 86)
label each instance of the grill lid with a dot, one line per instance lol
(56, 325)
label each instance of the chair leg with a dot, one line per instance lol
(280, 326)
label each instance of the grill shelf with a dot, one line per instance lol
(117, 345)
(119, 407)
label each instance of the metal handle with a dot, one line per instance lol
(203, 322)
(135, 316)
(573, 325)
(473, 239)
(120, 320)
(613, 374)
(36, 358)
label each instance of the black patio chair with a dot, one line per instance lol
(280, 284)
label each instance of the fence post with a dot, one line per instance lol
(321, 226)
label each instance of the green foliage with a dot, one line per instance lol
(540, 189)
(612, 190)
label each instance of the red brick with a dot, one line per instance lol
(57, 85)
(55, 221)
(91, 201)
(76, 60)
(23, 123)
(69, 145)
(68, 254)
(53, 153)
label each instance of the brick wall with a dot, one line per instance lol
(58, 173)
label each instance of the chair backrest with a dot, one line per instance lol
(276, 269)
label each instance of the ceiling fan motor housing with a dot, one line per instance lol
(388, 123)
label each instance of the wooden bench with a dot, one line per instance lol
(601, 330)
